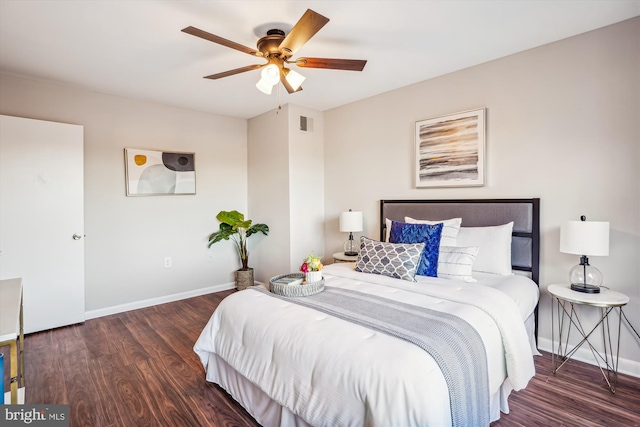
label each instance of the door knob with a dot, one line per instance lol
(77, 236)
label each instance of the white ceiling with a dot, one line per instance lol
(134, 48)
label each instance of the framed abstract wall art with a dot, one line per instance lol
(155, 173)
(450, 150)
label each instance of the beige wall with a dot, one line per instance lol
(268, 159)
(286, 188)
(562, 125)
(128, 237)
(306, 186)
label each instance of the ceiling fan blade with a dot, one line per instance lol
(286, 84)
(309, 24)
(334, 64)
(234, 71)
(224, 42)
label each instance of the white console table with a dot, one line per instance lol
(11, 332)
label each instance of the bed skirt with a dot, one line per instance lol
(270, 413)
(259, 405)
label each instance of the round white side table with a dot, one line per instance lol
(341, 257)
(564, 301)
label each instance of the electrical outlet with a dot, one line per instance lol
(167, 262)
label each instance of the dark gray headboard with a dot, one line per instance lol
(525, 214)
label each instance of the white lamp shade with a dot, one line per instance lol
(270, 74)
(264, 87)
(350, 221)
(589, 238)
(295, 79)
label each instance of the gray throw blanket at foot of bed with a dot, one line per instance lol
(454, 344)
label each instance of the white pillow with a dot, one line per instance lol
(457, 263)
(387, 227)
(450, 228)
(495, 247)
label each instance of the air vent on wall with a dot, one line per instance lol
(306, 124)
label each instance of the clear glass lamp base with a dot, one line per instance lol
(350, 248)
(585, 278)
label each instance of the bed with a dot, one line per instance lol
(357, 354)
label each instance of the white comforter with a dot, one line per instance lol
(333, 373)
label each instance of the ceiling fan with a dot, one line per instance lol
(278, 49)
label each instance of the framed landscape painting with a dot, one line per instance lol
(450, 150)
(155, 173)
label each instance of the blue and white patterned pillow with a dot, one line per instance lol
(429, 234)
(389, 259)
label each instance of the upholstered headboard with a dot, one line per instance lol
(525, 214)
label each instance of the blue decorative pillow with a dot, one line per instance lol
(429, 234)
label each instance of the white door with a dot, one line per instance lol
(42, 218)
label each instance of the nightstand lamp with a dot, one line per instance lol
(351, 222)
(585, 238)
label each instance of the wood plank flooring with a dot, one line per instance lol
(138, 369)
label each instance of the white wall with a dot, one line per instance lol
(306, 186)
(286, 188)
(562, 125)
(268, 160)
(128, 237)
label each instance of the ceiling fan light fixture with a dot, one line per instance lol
(264, 87)
(271, 74)
(294, 78)
(277, 48)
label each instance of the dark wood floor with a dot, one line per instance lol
(138, 369)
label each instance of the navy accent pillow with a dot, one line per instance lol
(429, 234)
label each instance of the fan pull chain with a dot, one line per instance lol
(279, 105)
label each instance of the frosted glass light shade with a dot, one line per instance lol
(271, 74)
(295, 79)
(264, 87)
(350, 221)
(589, 238)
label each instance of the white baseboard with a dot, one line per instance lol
(92, 314)
(583, 354)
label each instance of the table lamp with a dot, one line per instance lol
(350, 222)
(585, 238)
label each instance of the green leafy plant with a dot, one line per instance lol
(233, 226)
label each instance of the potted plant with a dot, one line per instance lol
(233, 226)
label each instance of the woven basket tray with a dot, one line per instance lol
(303, 290)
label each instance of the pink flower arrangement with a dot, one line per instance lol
(311, 263)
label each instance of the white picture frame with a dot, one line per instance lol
(159, 173)
(450, 150)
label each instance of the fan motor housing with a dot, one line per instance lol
(269, 45)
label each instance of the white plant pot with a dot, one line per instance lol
(313, 276)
